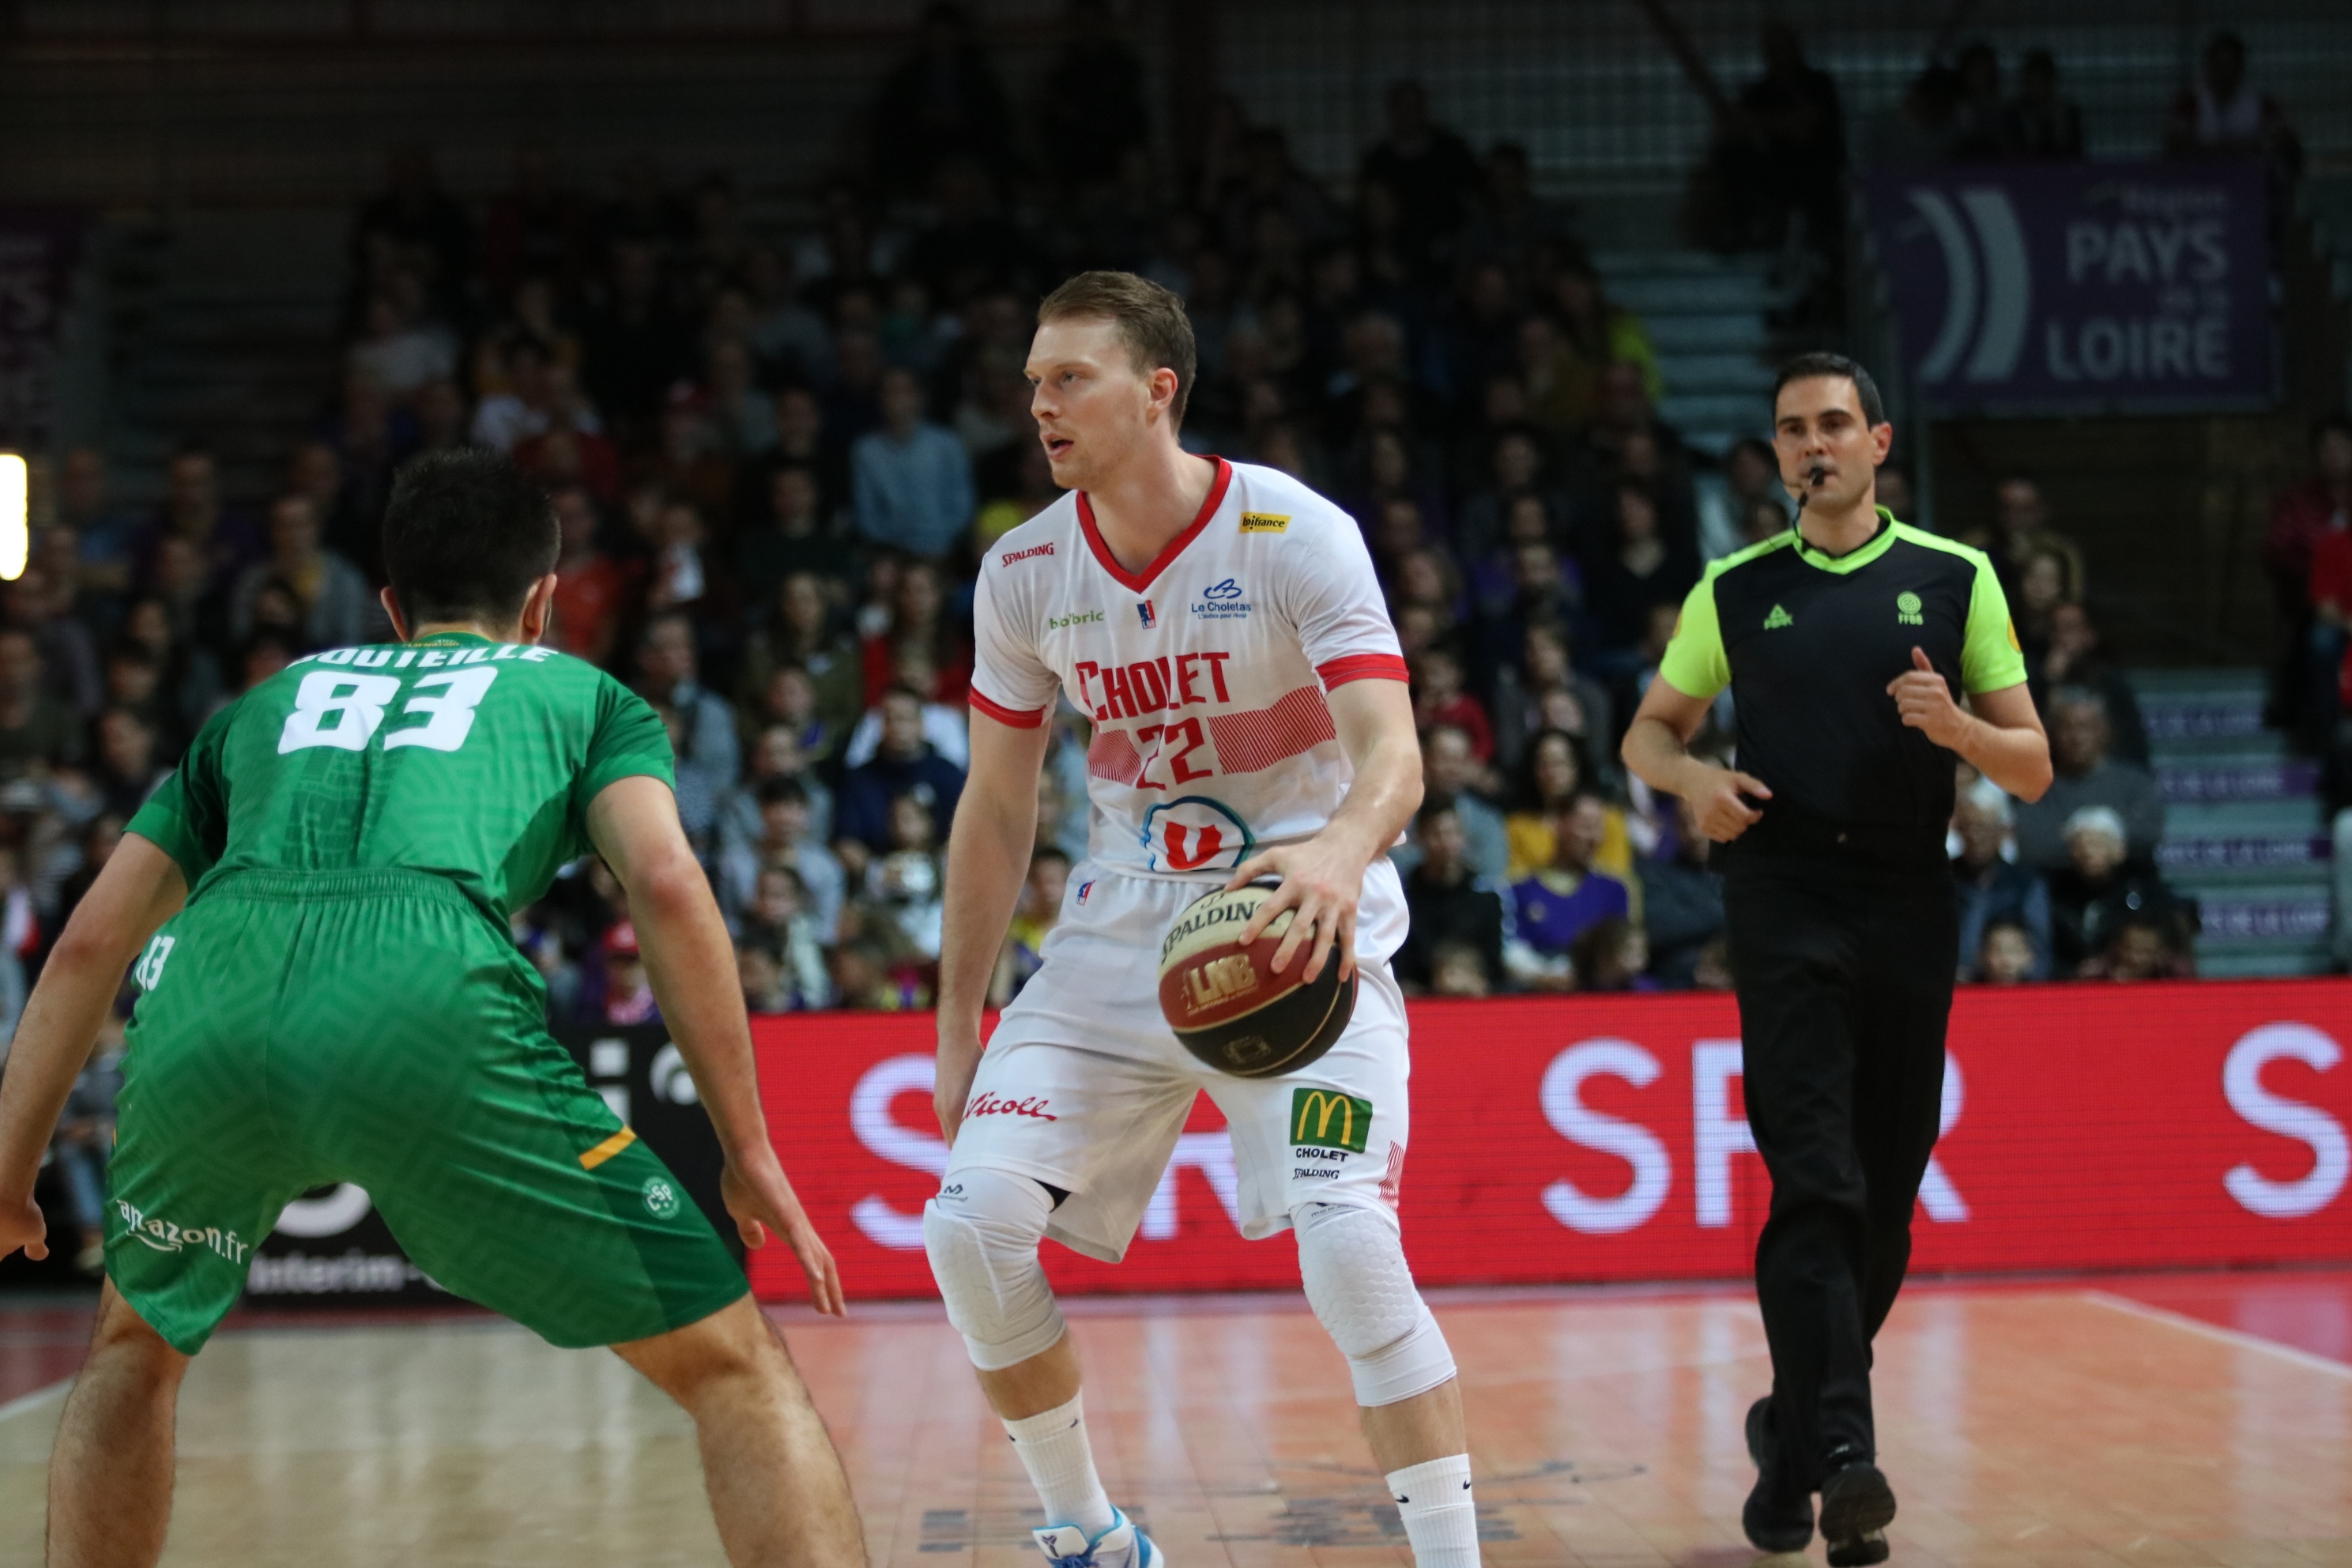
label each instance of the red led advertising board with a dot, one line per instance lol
(1591, 1139)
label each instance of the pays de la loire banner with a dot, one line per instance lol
(2079, 287)
(1581, 1139)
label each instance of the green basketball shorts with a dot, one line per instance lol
(374, 1027)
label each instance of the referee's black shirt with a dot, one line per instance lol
(1808, 643)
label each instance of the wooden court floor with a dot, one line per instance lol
(2050, 1426)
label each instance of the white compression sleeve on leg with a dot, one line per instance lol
(1351, 1260)
(981, 1232)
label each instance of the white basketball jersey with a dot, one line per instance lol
(1203, 673)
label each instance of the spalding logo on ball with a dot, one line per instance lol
(1228, 1005)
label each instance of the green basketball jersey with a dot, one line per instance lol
(456, 756)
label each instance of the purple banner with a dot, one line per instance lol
(2079, 287)
(39, 248)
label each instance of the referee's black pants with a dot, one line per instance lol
(1844, 980)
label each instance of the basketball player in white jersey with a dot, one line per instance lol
(1221, 625)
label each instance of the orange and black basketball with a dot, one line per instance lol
(1228, 1005)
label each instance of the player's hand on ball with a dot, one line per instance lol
(1321, 884)
(21, 1224)
(1925, 700)
(1721, 802)
(762, 1200)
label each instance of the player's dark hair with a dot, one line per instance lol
(1150, 322)
(465, 535)
(1817, 365)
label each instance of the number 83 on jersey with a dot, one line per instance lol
(344, 709)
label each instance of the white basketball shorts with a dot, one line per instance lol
(1085, 1088)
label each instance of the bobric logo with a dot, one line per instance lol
(1988, 306)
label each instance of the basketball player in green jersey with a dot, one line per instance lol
(317, 904)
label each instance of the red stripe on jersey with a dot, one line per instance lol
(1175, 546)
(1247, 742)
(1019, 718)
(1114, 757)
(1363, 667)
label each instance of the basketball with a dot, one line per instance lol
(1228, 1005)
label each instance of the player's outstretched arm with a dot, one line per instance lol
(691, 963)
(1323, 879)
(988, 854)
(139, 890)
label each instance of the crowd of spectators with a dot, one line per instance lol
(776, 455)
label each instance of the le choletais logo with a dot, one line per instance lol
(1222, 601)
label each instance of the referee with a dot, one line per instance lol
(1841, 641)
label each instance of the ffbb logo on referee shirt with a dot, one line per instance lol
(1327, 1118)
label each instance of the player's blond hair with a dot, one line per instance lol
(1150, 322)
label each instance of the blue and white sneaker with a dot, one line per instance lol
(1120, 1546)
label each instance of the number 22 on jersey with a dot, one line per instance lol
(344, 709)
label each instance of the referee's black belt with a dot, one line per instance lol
(1789, 834)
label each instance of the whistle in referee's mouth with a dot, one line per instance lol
(1813, 480)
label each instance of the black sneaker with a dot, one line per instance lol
(1775, 1517)
(1864, 1551)
(1856, 1507)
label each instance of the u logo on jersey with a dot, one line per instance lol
(1194, 833)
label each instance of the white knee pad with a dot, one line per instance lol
(981, 1232)
(1351, 1260)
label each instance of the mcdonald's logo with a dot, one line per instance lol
(1327, 1118)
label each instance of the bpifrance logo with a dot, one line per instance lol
(1194, 833)
(1144, 613)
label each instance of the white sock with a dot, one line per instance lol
(1053, 1449)
(1440, 1519)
